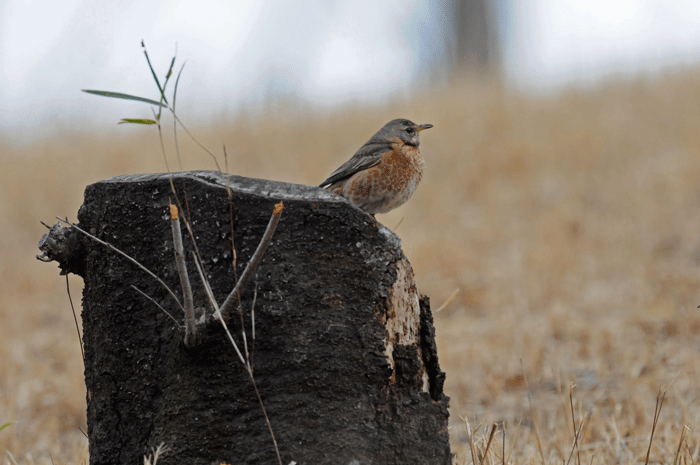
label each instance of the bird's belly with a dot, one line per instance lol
(387, 185)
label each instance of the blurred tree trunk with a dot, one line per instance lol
(475, 45)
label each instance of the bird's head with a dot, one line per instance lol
(404, 130)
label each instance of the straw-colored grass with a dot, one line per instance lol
(570, 223)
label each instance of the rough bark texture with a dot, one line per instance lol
(344, 355)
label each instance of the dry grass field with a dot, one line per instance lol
(570, 224)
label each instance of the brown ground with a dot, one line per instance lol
(569, 223)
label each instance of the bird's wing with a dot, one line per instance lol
(368, 156)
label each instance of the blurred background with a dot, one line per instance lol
(561, 196)
(244, 52)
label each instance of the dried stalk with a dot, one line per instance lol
(190, 324)
(245, 362)
(234, 297)
(150, 273)
(532, 412)
(660, 397)
(157, 305)
(488, 444)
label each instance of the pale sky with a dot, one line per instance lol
(323, 53)
(559, 42)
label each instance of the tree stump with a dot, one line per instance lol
(344, 355)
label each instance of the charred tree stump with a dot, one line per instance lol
(344, 355)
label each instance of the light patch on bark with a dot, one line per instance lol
(403, 316)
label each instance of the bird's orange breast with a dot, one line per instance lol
(388, 184)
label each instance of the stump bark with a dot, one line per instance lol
(344, 354)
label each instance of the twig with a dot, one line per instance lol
(190, 324)
(488, 444)
(503, 443)
(234, 297)
(150, 273)
(252, 265)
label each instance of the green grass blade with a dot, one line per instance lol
(153, 72)
(137, 121)
(177, 81)
(105, 93)
(170, 71)
(2, 427)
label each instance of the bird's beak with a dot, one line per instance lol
(423, 126)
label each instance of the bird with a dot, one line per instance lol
(384, 173)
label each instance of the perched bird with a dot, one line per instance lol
(383, 173)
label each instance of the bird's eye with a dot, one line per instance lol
(410, 130)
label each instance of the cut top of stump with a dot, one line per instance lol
(267, 189)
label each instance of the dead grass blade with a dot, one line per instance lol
(448, 301)
(680, 445)
(75, 318)
(470, 437)
(152, 459)
(133, 260)
(488, 444)
(657, 412)
(503, 444)
(244, 361)
(157, 305)
(577, 432)
(532, 413)
(512, 444)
